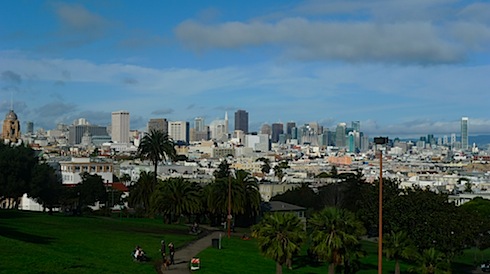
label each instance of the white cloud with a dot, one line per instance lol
(400, 32)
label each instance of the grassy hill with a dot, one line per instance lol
(39, 243)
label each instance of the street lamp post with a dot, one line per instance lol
(229, 206)
(380, 141)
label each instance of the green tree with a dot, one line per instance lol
(140, 193)
(46, 186)
(431, 261)
(125, 178)
(156, 146)
(335, 234)
(91, 189)
(279, 237)
(397, 246)
(266, 165)
(223, 170)
(279, 169)
(251, 195)
(301, 196)
(16, 166)
(175, 197)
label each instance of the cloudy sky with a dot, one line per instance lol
(402, 68)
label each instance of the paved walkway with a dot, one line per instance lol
(184, 255)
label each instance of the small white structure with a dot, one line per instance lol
(71, 170)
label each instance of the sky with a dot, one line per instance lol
(401, 68)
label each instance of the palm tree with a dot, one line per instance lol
(398, 246)
(279, 169)
(250, 190)
(140, 193)
(176, 197)
(431, 261)
(245, 195)
(156, 146)
(335, 235)
(279, 237)
(217, 201)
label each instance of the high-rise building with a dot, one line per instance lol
(356, 126)
(160, 124)
(340, 140)
(464, 133)
(29, 127)
(179, 131)
(277, 129)
(120, 126)
(76, 132)
(241, 120)
(199, 124)
(266, 129)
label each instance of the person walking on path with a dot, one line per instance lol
(163, 250)
(171, 251)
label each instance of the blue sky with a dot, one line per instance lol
(402, 68)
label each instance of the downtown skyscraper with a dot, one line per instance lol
(120, 127)
(241, 120)
(464, 133)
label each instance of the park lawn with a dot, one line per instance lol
(39, 243)
(243, 256)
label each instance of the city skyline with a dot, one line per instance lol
(397, 68)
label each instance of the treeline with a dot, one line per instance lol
(177, 197)
(421, 222)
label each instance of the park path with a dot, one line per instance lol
(184, 255)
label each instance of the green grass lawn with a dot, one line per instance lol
(240, 256)
(38, 243)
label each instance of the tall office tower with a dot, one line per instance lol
(352, 141)
(179, 131)
(277, 129)
(340, 140)
(218, 129)
(199, 124)
(266, 129)
(464, 133)
(314, 127)
(226, 124)
(356, 126)
(160, 124)
(289, 128)
(120, 126)
(29, 127)
(445, 140)
(241, 121)
(453, 139)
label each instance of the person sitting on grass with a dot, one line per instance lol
(139, 254)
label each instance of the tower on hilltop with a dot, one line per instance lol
(11, 128)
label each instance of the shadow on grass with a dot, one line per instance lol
(25, 237)
(463, 268)
(12, 213)
(303, 261)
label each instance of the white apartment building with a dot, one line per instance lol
(71, 170)
(179, 131)
(120, 126)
